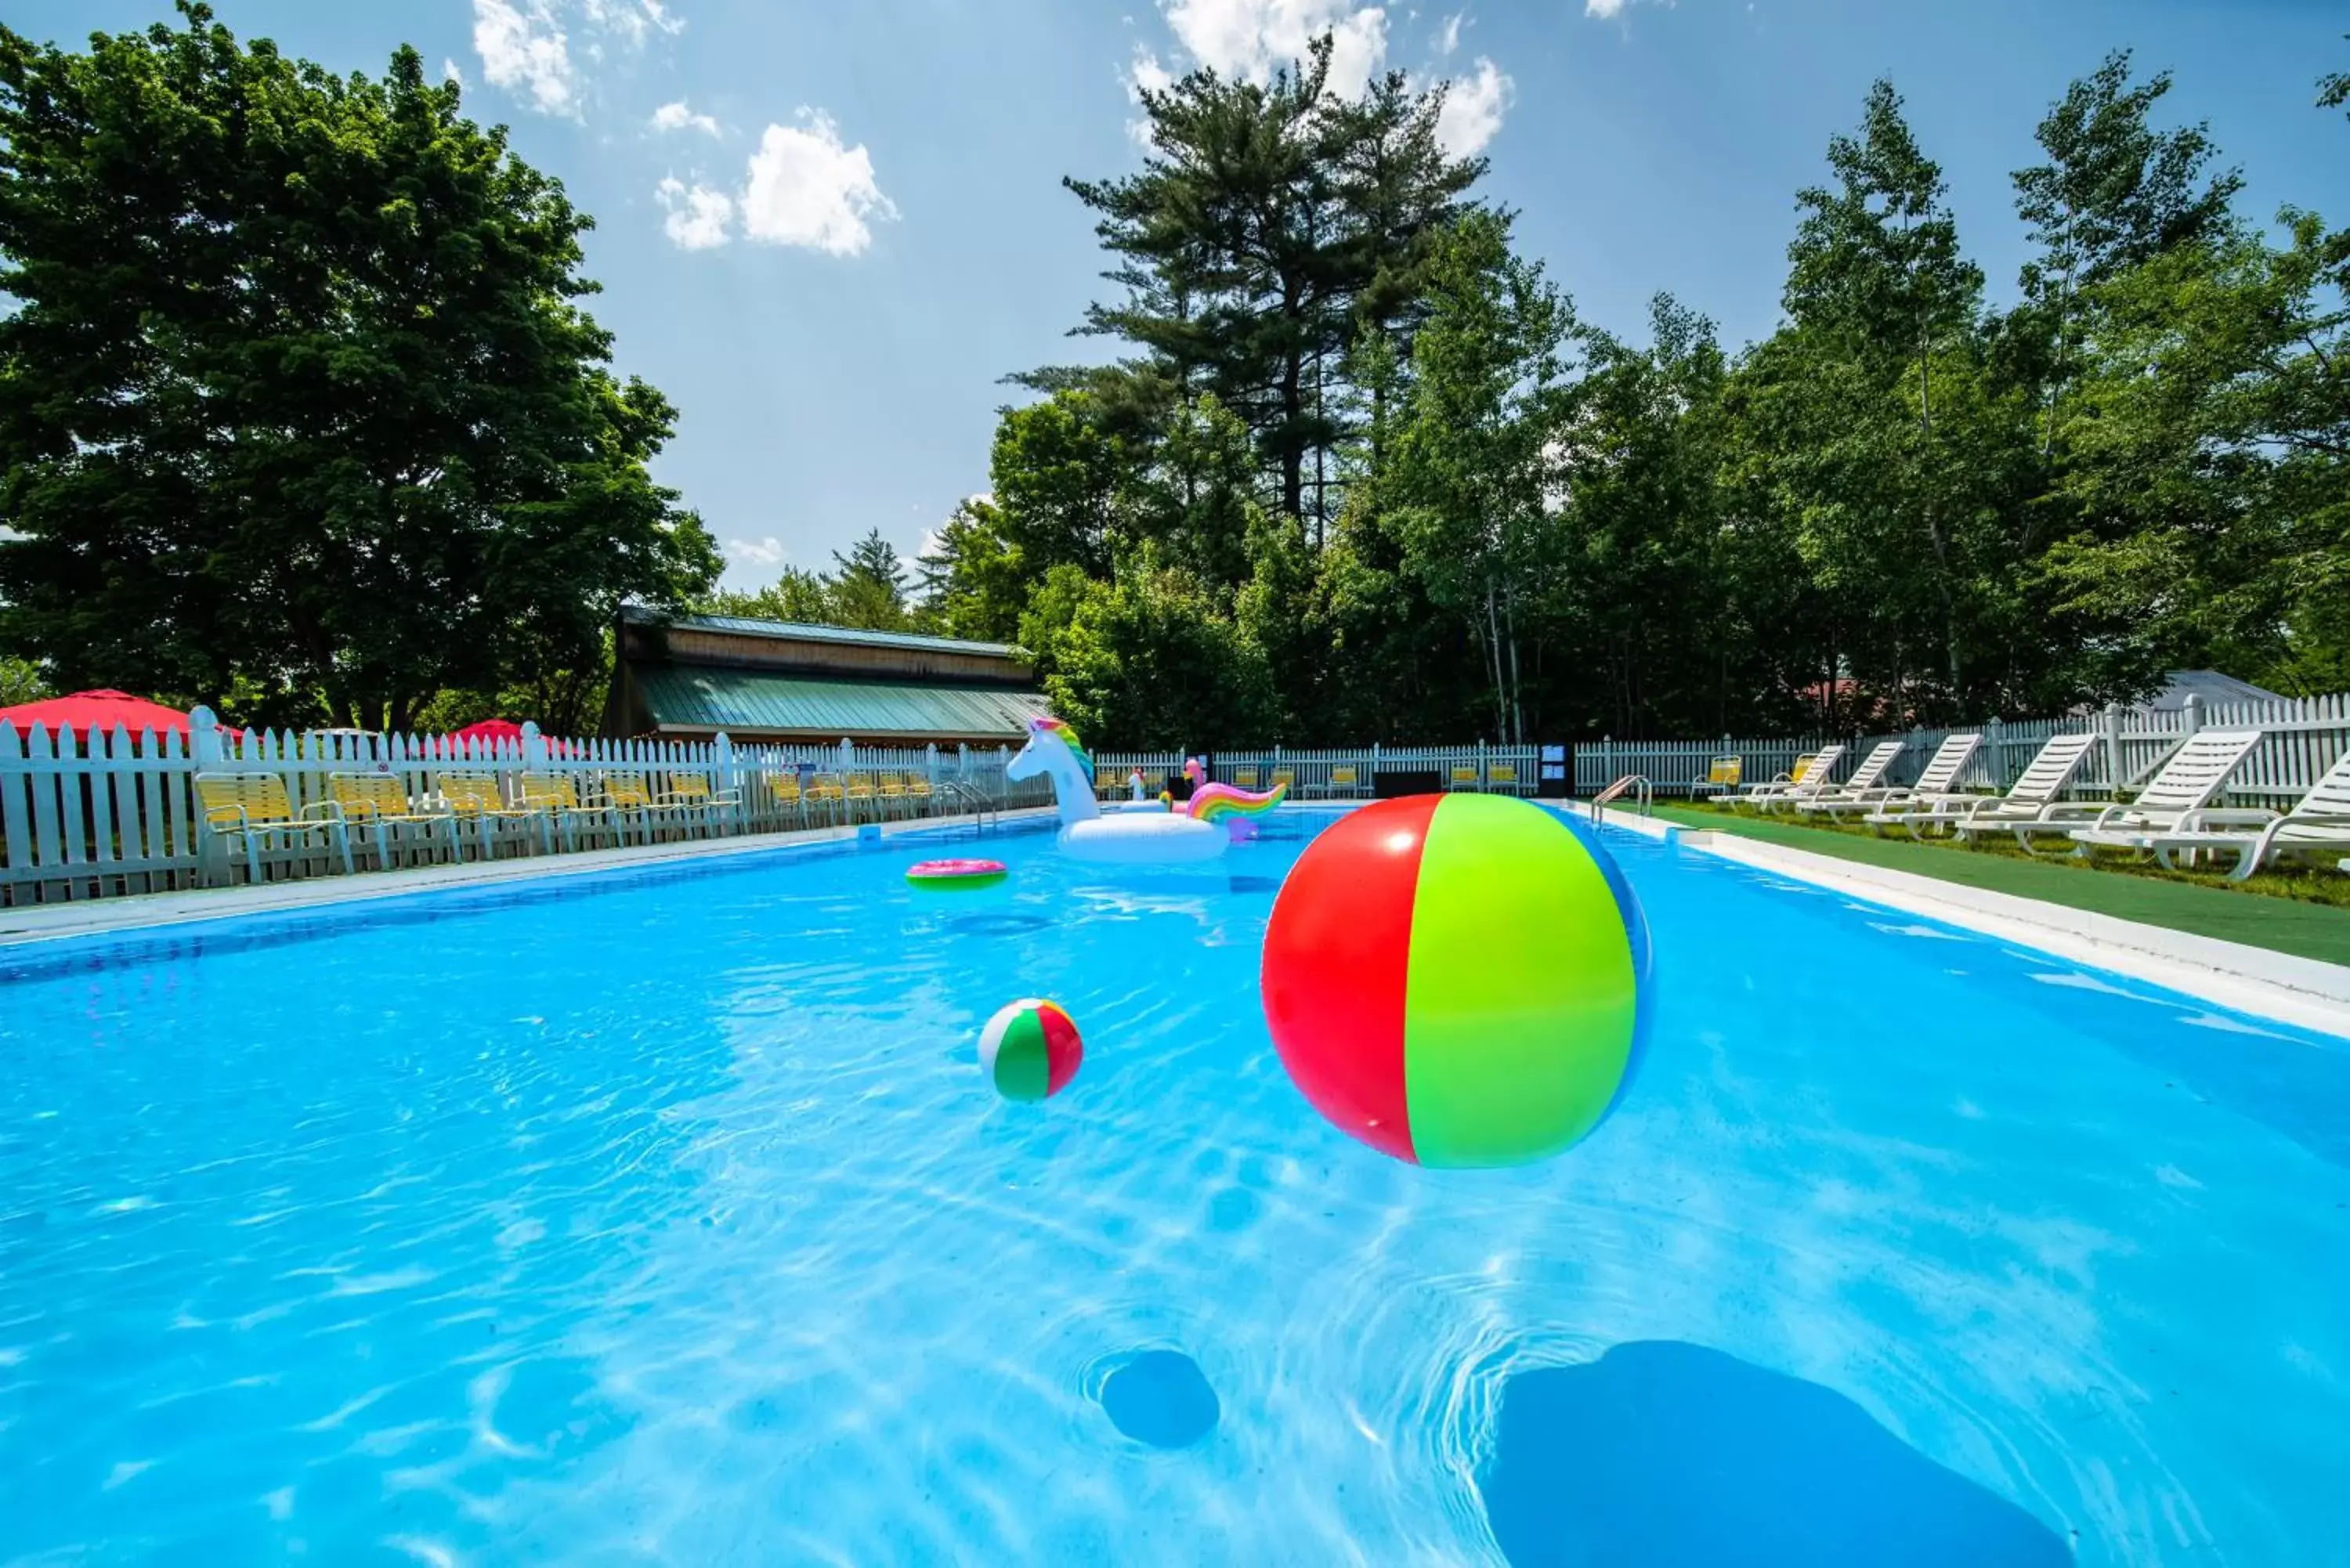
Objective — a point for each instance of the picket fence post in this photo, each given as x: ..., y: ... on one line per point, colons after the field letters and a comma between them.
x: 2114, y: 775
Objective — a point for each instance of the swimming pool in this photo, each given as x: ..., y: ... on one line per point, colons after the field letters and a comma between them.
x: 663, y: 1217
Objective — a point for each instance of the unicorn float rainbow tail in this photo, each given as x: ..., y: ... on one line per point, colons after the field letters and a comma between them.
x: 1232, y: 807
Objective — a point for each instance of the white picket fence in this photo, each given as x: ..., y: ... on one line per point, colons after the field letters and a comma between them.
x: 117, y: 815
x: 2300, y: 738
x: 1503, y: 770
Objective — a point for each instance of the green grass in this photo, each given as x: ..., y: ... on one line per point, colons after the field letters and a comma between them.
x: 2304, y: 913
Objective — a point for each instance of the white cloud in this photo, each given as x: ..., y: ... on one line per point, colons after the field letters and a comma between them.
x: 448, y: 72
x: 631, y: 20
x: 699, y: 215
x: 1473, y: 106
x: 1450, y: 38
x: 766, y: 551
x: 526, y: 45
x: 1254, y: 38
x: 678, y: 117
x: 524, y: 51
x: 1602, y: 8
x: 1145, y: 75
x: 807, y: 188
x: 1148, y: 74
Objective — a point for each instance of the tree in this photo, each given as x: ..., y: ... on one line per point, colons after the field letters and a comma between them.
x: 973, y: 580
x: 1153, y: 661
x: 1469, y: 474
x: 867, y: 588
x: 2114, y: 193
x: 798, y: 596
x: 1270, y: 225
x: 298, y: 412
x: 22, y: 680
x: 1877, y: 281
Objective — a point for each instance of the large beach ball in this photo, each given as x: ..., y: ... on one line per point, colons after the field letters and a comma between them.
x: 1030, y: 1049
x: 1459, y: 980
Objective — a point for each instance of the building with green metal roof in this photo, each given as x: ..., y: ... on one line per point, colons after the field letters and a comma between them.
x: 691, y: 677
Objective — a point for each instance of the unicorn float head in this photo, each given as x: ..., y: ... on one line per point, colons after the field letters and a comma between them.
x: 1054, y: 751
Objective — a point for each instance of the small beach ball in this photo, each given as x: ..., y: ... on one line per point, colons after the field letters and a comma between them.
x: 1030, y: 1049
x: 1459, y: 980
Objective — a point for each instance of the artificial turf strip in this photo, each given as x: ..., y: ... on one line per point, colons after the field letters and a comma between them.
x: 2279, y: 924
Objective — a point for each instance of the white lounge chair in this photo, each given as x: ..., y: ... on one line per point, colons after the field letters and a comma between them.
x: 2035, y: 798
x: 2196, y: 771
x: 1809, y: 779
x: 1866, y: 784
x: 2320, y: 825
x: 1943, y: 771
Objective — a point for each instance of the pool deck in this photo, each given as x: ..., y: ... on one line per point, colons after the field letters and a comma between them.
x: 2284, y: 987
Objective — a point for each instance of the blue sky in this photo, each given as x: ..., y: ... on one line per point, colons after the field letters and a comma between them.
x: 828, y: 227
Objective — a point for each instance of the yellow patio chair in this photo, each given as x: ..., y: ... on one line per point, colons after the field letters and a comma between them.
x: 559, y: 797
x: 380, y: 801
x: 476, y: 798
x: 784, y: 789
x: 691, y: 795
x: 627, y: 795
x: 825, y: 791
x: 1245, y: 778
x: 918, y: 793
x: 890, y: 789
x: 1283, y: 778
x: 1464, y: 775
x: 254, y: 809
x: 1502, y: 775
x: 1722, y: 776
x: 1108, y: 782
x: 858, y: 788
x: 1342, y: 777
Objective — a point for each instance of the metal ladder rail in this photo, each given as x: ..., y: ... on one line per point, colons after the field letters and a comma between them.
x: 975, y: 803
x: 1646, y: 793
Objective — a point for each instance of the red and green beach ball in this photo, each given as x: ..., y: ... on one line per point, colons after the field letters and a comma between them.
x: 1030, y: 1049
x: 1459, y: 980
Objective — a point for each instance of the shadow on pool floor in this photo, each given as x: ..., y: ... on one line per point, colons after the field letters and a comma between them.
x: 1668, y: 1454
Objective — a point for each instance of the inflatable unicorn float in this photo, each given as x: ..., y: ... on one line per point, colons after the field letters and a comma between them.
x: 1201, y: 832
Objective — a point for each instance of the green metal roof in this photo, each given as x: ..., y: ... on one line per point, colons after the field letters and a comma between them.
x: 798, y: 631
x: 747, y: 701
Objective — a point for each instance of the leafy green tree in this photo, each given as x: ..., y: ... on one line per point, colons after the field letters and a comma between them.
x: 1471, y: 472
x: 22, y: 680
x: 974, y: 582
x: 1881, y: 291
x: 2114, y: 193
x: 798, y: 596
x: 1152, y: 661
x: 298, y: 412
x: 2214, y: 461
x: 1058, y: 477
x: 867, y: 587
x: 1270, y: 223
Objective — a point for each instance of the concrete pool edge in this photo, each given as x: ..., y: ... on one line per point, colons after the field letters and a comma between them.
x: 2283, y: 988
x: 38, y: 923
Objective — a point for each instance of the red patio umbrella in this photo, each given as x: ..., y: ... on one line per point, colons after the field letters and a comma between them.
x: 504, y: 731
x: 101, y: 710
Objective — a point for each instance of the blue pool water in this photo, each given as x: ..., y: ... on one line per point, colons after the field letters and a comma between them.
x: 664, y: 1218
